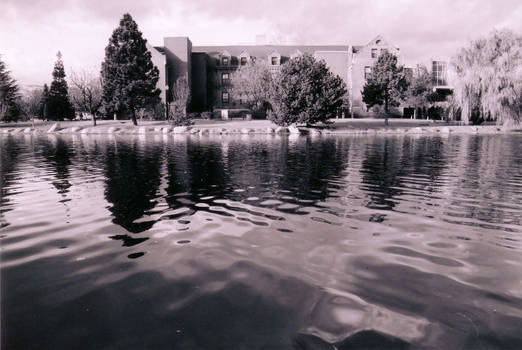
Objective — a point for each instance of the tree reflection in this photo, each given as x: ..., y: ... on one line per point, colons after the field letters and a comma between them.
x: 58, y: 153
x: 390, y: 161
x: 10, y: 153
x: 262, y: 168
x: 195, y: 171
x: 132, y: 174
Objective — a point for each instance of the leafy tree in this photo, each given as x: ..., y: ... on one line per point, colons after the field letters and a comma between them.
x: 177, y: 111
x: 58, y: 104
x: 44, y: 103
x: 386, y: 84
x: 128, y: 75
x: 305, y: 91
x: 87, y: 95
x: 488, y: 78
x: 250, y: 83
x: 31, y: 102
x: 9, y: 96
x: 419, y: 93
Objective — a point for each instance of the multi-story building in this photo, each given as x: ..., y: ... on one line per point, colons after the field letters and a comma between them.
x: 208, y: 69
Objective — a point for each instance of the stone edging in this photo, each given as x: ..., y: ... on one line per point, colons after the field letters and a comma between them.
x: 55, y: 129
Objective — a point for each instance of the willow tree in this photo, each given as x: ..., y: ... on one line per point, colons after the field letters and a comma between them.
x: 488, y: 78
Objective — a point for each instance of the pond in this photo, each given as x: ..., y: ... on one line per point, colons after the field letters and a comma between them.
x: 261, y: 242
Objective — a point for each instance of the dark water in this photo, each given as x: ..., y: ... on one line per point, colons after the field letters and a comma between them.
x: 261, y: 242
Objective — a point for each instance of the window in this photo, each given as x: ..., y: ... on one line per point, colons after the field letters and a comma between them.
x: 225, y: 77
x: 225, y: 61
x: 374, y: 53
x: 383, y: 51
x: 438, y: 73
x: 243, y: 61
x: 224, y: 97
x: 274, y: 61
x: 367, y: 72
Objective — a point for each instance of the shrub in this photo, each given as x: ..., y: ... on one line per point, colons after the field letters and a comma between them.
x: 306, y: 91
x: 179, y: 117
x: 206, y: 115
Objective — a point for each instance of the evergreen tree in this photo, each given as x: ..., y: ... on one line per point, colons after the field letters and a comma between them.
x: 128, y: 75
x: 386, y: 84
x: 58, y: 104
x: 44, y: 110
x: 9, y: 96
x: 305, y: 91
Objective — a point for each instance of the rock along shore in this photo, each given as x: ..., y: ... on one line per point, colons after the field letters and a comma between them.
x: 293, y: 130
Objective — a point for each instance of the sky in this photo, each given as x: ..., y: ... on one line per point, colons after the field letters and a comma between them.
x: 33, y: 31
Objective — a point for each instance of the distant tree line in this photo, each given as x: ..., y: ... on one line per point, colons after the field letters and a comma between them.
x: 486, y: 75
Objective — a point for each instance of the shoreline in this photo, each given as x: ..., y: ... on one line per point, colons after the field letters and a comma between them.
x: 219, y: 127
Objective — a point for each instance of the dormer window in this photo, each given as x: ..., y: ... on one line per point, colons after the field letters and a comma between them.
x: 274, y: 61
x: 224, y: 60
x: 297, y: 53
x: 243, y: 61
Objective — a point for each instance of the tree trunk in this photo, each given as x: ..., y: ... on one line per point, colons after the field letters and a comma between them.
x: 386, y: 110
x: 134, y: 121
x: 414, y: 112
x: 93, y: 118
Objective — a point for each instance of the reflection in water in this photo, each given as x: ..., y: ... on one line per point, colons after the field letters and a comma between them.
x: 390, y: 161
x: 261, y: 242
x: 132, y: 171
x: 9, y: 156
x: 58, y: 154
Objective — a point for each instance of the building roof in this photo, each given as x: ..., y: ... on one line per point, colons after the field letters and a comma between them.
x: 160, y: 49
x: 265, y: 50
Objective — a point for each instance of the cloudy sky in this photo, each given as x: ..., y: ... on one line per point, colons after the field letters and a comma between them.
x: 32, y: 31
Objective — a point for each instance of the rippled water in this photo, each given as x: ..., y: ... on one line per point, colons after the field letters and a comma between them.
x: 261, y: 242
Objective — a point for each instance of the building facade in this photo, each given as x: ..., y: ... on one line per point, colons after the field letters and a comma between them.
x: 208, y: 69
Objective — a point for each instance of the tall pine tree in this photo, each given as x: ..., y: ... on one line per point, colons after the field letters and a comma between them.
x: 128, y: 75
x: 59, y: 105
x: 9, y: 96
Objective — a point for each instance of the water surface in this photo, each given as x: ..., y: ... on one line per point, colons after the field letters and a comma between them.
x: 261, y: 242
